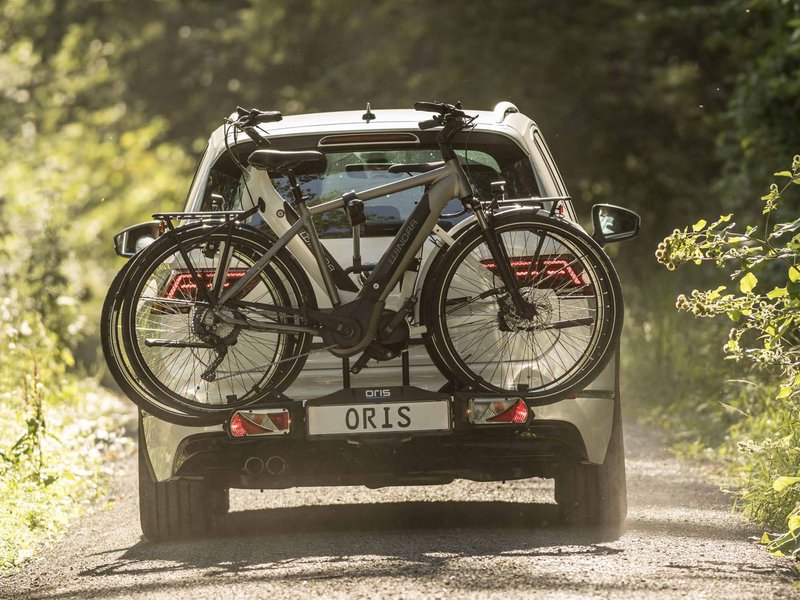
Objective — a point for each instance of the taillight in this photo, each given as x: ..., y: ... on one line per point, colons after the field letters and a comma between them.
x: 489, y: 411
x: 516, y: 414
x: 546, y: 271
x: 259, y: 422
x: 182, y: 285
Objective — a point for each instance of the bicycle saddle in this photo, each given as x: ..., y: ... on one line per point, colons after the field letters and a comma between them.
x: 278, y: 161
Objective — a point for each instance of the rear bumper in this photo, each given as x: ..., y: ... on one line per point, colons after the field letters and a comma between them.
x: 478, y: 455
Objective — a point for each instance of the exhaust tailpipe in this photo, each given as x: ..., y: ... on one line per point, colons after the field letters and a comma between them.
x: 276, y: 465
x: 254, y: 465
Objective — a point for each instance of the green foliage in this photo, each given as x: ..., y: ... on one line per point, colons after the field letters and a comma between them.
x: 78, y: 163
x: 58, y: 434
x: 764, y: 307
x: 765, y: 321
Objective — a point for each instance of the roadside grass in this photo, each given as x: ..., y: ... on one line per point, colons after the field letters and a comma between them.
x: 60, y: 435
x: 55, y: 467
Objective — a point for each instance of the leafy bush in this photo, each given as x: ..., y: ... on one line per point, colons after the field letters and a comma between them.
x: 764, y: 308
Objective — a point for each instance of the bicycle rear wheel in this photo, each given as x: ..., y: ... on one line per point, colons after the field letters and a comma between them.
x: 476, y: 336
x: 182, y: 352
x: 118, y: 364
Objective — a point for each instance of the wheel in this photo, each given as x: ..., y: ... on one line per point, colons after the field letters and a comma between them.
x: 179, y: 509
x: 596, y: 495
x: 185, y: 354
x: 476, y: 336
x: 118, y: 364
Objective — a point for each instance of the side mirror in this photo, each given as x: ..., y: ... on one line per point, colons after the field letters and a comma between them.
x: 132, y: 239
x: 614, y: 223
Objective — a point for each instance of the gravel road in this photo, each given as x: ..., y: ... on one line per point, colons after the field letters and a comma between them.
x: 461, y: 540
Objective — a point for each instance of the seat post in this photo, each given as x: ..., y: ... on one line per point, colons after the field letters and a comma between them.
x: 297, y: 194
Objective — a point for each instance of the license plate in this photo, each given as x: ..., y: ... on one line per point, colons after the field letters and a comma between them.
x: 379, y: 418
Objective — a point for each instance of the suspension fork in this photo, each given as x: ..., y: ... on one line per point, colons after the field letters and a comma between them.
x: 501, y: 260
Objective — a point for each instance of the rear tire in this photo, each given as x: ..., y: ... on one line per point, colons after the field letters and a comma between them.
x: 596, y: 496
x: 179, y: 509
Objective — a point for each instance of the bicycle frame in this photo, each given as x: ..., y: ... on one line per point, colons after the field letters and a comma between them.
x: 445, y: 183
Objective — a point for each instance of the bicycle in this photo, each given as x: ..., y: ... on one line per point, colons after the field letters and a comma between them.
x: 217, y: 315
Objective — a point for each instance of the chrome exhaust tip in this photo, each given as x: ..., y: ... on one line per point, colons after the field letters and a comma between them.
x: 276, y: 465
x: 254, y: 465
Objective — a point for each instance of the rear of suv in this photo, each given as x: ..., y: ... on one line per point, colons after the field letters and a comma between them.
x: 186, y: 472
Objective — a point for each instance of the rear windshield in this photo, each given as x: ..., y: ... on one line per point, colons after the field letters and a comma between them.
x: 487, y: 158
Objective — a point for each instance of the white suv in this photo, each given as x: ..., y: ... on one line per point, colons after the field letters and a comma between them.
x: 185, y: 472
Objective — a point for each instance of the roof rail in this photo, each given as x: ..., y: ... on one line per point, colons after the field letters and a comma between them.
x: 502, y: 109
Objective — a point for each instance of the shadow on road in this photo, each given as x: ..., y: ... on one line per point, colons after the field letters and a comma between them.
x: 400, y: 516
x: 408, y: 535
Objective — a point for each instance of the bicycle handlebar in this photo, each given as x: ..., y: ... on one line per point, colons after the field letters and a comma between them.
x: 430, y: 123
x: 248, y: 117
x: 450, y: 117
x: 437, y: 107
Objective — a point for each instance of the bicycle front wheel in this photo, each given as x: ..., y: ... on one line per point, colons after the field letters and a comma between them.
x: 205, y: 361
x: 476, y: 335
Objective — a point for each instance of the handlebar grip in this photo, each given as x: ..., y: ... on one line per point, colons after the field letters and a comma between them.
x: 429, y: 124
x: 268, y: 116
x: 253, y: 116
x: 436, y: 107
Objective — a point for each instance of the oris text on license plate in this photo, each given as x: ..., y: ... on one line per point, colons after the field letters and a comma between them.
x: 379, y: 417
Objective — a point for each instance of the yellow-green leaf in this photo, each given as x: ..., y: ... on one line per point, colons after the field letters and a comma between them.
x: 765, y: 538
x: 782, y: 483
x: 785, y: 392
x: 783, y: 174
x: 794, y: 523
x: 778, y: 292
x: 747, y: 283
x: 699, y: 225
x: 794, y: 274
x: 715, y: 294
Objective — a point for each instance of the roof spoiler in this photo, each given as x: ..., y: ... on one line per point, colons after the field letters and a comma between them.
x: 502, y: 109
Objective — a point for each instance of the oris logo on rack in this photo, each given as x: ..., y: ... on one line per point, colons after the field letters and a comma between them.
x: 378, y: 393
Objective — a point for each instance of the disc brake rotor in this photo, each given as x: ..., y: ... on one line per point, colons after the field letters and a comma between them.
x: 510, y: 320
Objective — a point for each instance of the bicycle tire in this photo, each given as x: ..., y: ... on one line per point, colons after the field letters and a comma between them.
x: 119, y: 366
x: 476, y: 338
x: 161, y: 299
